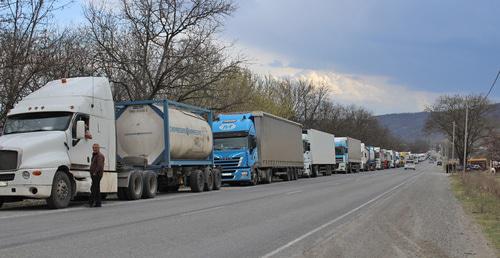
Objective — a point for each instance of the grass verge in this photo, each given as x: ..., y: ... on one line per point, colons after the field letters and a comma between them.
x: 479, y: 194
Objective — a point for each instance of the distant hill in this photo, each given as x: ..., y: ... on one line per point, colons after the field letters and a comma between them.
x: 409, y: 126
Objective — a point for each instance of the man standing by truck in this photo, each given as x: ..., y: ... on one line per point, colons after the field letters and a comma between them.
x: 96, y: 171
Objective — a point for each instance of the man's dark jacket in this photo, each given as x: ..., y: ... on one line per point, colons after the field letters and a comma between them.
x: 97, y: 164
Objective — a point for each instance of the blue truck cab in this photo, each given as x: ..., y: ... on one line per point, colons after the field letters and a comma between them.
x: 235, y: 146
x: 341, y: 154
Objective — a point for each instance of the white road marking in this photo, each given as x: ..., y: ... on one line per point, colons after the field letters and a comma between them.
x: 294, y: 192
x: 202, y: 211
x: 329, y: 223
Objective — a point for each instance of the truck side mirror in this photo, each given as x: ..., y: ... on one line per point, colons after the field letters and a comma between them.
x: 80, y: 129
x: 253, y: 142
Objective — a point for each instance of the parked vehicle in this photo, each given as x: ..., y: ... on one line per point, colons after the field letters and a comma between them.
x: 410, y: 164
x: 255, y: 147
x: 391, y: 159
x: 378, y: 158
x: 319, y: 153
x: 368, y: 158
x: 348, y: 154
x: 385, y: 158
x: 151, y: 144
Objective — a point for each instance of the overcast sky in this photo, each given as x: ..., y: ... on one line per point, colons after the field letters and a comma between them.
x: 389, y: 56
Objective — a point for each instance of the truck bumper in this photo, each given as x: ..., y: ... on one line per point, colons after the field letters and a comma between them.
x: 239, y: 175
x: 35, y: 186
x: 341, y: 167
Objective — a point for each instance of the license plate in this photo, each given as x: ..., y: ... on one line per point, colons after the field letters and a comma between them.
x: 3, y: 184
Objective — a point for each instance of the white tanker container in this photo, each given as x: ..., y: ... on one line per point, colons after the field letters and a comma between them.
x: 140, y: 134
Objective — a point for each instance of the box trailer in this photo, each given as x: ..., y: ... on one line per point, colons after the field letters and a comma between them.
x: 256, y: 146
x: 319, y: 153
x: 348, y: 154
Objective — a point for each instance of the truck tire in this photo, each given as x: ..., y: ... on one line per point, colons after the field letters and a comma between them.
x: 135, y: 186
x: 1, y: 202
x: 150, y: 185
x: 255, y: 178
x: 314, y: 171
x: 295, y: 174
x: 122, y: 193
x: 60, y: 195
x: 329, y: 170
x: 217, y: 179
x: 288, y: 175
x: 209, y: 184
x: 197, y: 181
x: 268, y: 176
x: 104, y: 196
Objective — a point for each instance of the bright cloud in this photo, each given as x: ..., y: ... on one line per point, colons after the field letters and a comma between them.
x: 377, y: 94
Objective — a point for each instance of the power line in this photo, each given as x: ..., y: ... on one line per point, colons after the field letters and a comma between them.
x: 492, y: 85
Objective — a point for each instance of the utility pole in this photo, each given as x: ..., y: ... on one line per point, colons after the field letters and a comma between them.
x: 453, y: 149
x: 466, y: 134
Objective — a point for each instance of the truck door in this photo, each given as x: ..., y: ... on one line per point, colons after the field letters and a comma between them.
x: 80, y: 151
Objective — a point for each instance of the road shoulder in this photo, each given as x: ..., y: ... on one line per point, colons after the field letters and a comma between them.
x: 422, y: 219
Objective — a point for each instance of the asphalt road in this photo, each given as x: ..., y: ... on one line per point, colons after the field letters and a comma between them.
x: 390, y: 213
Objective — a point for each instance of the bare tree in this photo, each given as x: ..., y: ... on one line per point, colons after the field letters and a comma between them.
x: 449, y: 109
x: 27, y: 47
x: 161, y: 48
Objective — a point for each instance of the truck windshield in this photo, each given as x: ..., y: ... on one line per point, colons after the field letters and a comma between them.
x: 35, y: 122
x: 340, y: 150
x: 230, y: 143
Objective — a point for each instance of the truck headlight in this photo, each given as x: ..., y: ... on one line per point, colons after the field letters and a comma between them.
x: 26, y: 174
x: 244, y: 173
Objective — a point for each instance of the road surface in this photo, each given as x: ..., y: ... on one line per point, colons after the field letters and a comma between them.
x: 390, y: 213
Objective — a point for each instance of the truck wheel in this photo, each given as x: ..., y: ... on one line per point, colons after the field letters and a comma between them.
x: 295, y: 174
x: 288, y: 175
x: 135, y: 186
x: 122, y: 193
x: 197, y: 181
x: 329, y: 170
x: 255, y: 178
x: 217, y: 179
x: 60, y: 195
x: 268, y: 176
x: 1, y: 202
x: 315, y: 170
x: 209, y: 185
x: 150, y: 185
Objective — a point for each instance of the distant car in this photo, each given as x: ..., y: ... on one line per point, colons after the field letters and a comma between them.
x: 410, y: 164
x: 439, y: 163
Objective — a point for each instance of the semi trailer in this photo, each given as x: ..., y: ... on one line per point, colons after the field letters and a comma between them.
x: 319, y: 153
x: 370, y: 162
x: 257, y: 147
x: 348, y: 154
x: 378, y: 158
x: 148, y: 145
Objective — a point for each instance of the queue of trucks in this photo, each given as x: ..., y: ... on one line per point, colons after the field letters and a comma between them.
x: 158, y: 146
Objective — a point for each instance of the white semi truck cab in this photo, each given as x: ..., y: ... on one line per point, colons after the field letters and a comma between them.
x: 45, y: 152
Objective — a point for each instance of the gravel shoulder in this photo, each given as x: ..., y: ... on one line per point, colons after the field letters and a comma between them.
x: 422, y: 219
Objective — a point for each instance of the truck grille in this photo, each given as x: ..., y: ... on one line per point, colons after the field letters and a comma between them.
x: 7, y: 177
x: 8, y: 160
x: 228, y: 165
x: 339, y: 160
